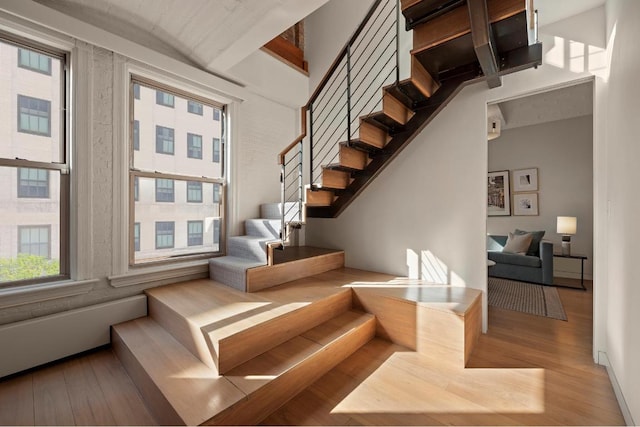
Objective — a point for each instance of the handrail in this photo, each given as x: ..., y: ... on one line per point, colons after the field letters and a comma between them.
x: 331, y: 116
x: 342, y: 53
x: 303, y: 134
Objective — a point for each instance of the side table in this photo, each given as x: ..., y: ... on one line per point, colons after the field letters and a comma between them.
x: 575, y: 256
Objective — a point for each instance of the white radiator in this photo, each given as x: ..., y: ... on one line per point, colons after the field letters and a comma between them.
x: 33, y: 342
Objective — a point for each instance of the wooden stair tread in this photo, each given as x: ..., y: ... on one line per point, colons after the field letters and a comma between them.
x: 195, y: 391
x: 383, y: 121
x: 358, y: 144
x: 339, y: 167
x: 276, y: 362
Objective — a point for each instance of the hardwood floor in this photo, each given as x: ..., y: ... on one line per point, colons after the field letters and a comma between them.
x: 526, y: 370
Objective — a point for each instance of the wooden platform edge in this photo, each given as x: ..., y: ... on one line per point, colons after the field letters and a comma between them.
x: 264, y: 277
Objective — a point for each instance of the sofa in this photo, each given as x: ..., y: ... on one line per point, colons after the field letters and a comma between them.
x: 536, y: 266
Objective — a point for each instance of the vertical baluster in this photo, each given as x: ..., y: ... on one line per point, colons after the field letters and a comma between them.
x: 397, y: 41
x: 311, y: 144
x: 348, y: 94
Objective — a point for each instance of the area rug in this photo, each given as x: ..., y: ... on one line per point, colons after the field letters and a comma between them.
x: 526, y: 298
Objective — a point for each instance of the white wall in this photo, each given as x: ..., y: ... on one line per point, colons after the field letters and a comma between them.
x: 432, y: 197
x: 563, y: 153
x: 623, y: 152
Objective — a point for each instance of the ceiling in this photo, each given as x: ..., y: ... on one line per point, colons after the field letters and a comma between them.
x: 550, y: 11
x: 211, y: 34
x: 559, y: 104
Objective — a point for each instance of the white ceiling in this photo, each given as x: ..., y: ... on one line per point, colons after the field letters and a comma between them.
x: 211, y: 34
x: 559, y: 104
x: 550, y: 11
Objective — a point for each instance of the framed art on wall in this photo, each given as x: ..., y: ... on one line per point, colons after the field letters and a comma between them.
x: 525, y: 204
x: 525, y: 180
x: 498, y: 194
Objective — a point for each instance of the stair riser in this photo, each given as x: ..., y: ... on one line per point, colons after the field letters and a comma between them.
x: 395, y: 109
x: 263, y: 228
x: 352, y: 158
x: 155, y: 401
x: 265, y: 277
x: 335, y: 179
x: 272, y: 396
x: 249, y: 249
x: 188, y: 334
x: 319, y: 198
x: 249, y: 343
x: 421, y: 78
x: 373, y: 135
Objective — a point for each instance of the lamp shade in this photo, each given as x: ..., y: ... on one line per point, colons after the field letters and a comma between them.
x: 567, y: 225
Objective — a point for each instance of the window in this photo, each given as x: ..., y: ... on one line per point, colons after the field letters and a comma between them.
x: 34, y: 240
x: 194, y: 233
x: 164, y: 140
x: 194, y: 146
x: 164, y: 190
x: 136, y: 237
x: 136, y: 91
x: 194, y: 192
x: 173, y: 180
x: 165, y: 234
x: 34, y: 115
x: 194, y: 107
x: 34, y: 61
x: 216, y: 231
x: 163, y: 98
x: 34, y: 164
x: 216, y: 150
x: 216, y: 193
x: 216, y: 114
x: 136, y: 135
x: 33, y: 183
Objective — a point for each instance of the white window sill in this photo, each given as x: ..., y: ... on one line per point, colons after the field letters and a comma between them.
x: 11, y: 297
x: 160, y: 274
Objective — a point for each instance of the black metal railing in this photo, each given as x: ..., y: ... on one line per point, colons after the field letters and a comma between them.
x: 350, y: 89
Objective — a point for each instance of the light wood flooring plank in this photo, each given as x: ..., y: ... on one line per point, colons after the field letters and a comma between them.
x: 121, y: 395
x: 86, y: 397
x: 52, y: 405
x: 16, y: 401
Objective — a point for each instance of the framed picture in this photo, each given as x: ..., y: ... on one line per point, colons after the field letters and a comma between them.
x: 525, y: 180
x: 498, y: 195
x: 525, y: 204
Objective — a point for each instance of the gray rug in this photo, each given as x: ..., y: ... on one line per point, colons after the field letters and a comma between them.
x: 526, y: 298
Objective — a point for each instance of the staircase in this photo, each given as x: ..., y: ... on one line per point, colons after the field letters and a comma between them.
x: 209, y: 354
x: 250, y: 250
x: 455, y: 43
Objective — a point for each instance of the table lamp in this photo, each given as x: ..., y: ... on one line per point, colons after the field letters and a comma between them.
x: 566, y: 226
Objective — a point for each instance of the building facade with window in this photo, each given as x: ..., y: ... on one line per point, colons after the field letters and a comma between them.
x: 177, y: 157
x: 30, y: 131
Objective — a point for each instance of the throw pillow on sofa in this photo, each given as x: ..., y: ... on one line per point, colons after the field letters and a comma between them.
x: 518, y: 243
x: 534, y: 247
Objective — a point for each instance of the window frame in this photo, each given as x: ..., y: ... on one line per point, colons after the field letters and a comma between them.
x: 61, y: 166
x: 155, y: 84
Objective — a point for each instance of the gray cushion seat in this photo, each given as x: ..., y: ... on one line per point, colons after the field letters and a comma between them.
x: 515, y: 259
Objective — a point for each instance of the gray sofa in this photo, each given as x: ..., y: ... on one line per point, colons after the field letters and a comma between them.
x: 535, y: 267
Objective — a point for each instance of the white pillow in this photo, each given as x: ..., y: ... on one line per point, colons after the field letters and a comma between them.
x: 518, y: 243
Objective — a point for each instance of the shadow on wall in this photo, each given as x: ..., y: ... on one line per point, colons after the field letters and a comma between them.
x: 425, y: 265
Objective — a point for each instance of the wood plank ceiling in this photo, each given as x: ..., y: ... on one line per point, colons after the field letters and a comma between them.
x: 211, y: 34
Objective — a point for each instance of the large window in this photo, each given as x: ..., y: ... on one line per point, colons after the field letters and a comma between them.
x: 34, y: 115
x: 34, y: 164
x: 178, y: 200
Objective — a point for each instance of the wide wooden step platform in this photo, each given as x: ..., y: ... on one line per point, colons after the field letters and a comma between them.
x: 274, y: 343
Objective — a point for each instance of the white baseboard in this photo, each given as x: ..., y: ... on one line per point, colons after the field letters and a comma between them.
x: 603, y: 360
x: 38, y: 341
